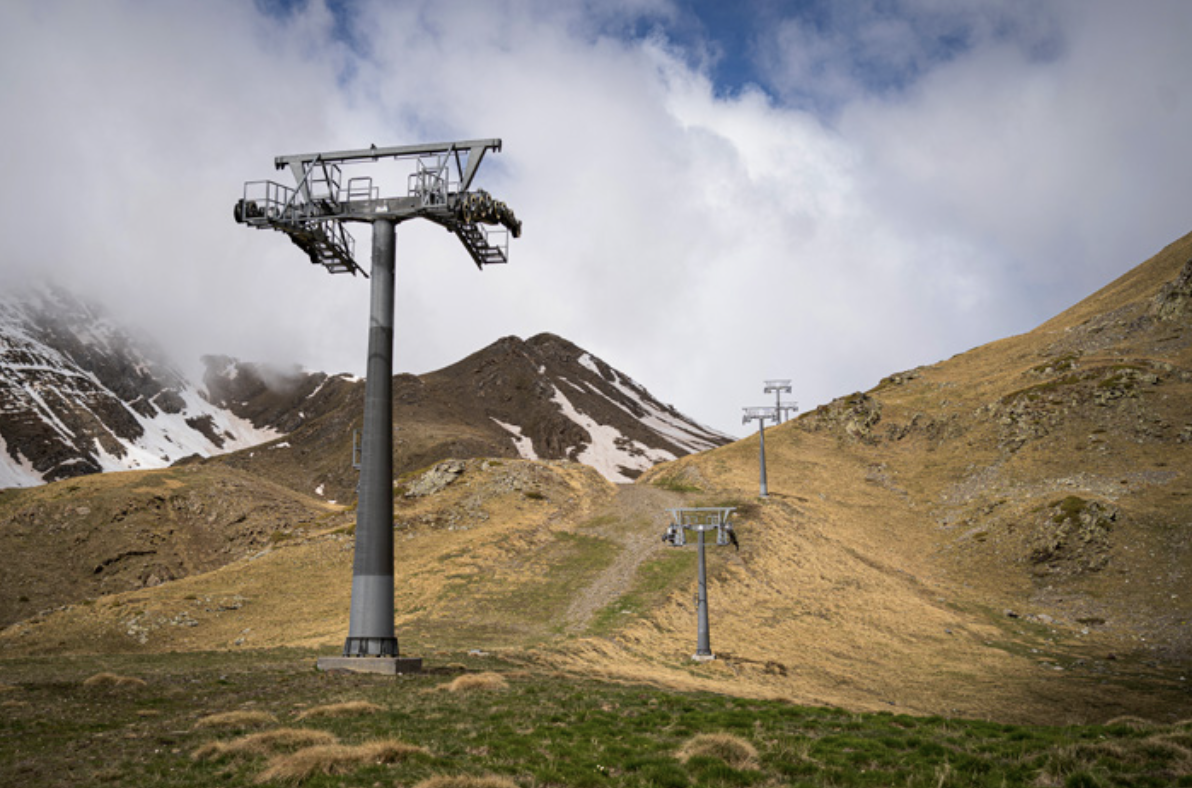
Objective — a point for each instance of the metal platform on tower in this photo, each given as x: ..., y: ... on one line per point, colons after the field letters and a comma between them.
x: 314, y: 212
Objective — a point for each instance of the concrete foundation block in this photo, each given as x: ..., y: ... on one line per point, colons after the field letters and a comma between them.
x: 389, y: 666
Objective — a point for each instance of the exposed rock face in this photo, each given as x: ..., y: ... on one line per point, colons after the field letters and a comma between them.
x: 853, y: 417
x: 269, y: 396
x: 1116, y: 396
x: 1174, y: 301
x: 435, y: 480
x: 1072, y: 536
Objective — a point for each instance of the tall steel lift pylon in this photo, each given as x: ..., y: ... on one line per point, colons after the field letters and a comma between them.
x: 313, y: 214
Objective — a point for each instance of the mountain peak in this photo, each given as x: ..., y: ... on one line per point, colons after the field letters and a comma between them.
x: 556, y: 400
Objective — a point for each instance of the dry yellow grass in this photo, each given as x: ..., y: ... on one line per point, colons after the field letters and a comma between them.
x: 733, y: 750
x: 466, y: 781
x: 476, y: 682
x: 113, y: 680
x: 236, y: 719
x: 1130, y: 721
x: 1137, y: 752
x: 330, y: 759
x: 349, y: 708
x: 264, y: 743
x: 1181, y: 737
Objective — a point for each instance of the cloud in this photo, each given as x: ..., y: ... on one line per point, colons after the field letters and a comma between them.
x: 893, y: 184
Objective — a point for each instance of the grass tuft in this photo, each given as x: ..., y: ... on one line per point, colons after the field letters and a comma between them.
x: 332, y: 759
x: 236, y: 719
x: 733, y: 750
x: 113, y: 680
x: 1131, y: 722
x: 1180, y: 737
x: 351, y: 708
x: 476, y: 682
x: 466, y: 781
x: 264, y: 743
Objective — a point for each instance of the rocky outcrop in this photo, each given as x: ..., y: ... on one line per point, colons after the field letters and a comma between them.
x: 435, y: 480
x: 1174, y: 301
x: 852, y: 418
x: 1072, y: 536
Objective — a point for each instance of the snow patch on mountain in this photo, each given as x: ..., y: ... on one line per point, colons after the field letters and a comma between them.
x: 171, y: 436
x: 585, y: 360
x: 658, y: 417
x: 524, y: 444
x: 16, y: 471
x: 610, y: 452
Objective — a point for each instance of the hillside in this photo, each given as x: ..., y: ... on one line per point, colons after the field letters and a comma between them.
x: 999, y: 535
x: 102, y: 534
x: 1010, y: 523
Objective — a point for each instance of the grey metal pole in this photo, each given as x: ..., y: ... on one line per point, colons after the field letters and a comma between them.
x: 761, y: 433
x: 702, y: 648
x: 370, y: 628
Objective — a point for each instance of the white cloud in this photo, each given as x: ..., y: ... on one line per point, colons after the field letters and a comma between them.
x: 698, y: 240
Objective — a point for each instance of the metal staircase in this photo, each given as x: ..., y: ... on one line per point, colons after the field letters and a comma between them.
x: 333, y: 250
x: 477, y: 241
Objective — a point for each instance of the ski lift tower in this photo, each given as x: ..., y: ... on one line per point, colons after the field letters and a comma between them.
x: 701, y: 520
x: 313, y: 214
x: 760, y: 414
x: 782, y: 409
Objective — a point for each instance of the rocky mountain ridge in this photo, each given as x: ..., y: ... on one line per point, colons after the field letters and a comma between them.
x: 80, y: 394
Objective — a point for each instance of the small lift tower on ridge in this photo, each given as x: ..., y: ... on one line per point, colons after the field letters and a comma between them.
x: 313, y: 214
x: 701, y: 520
x: 760, y: 414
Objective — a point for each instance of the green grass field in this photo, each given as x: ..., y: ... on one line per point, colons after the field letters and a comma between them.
x: 540, y: 729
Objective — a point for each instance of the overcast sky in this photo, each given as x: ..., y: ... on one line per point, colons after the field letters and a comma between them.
x: 713, y: 193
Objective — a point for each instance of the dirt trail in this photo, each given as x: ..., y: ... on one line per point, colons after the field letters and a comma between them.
x: 636, y: 519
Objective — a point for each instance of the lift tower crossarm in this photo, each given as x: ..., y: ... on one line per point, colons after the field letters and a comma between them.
x: 476, y: 149
x: 314, y: 212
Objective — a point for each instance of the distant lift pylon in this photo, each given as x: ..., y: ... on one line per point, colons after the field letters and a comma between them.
x: 313, y: 214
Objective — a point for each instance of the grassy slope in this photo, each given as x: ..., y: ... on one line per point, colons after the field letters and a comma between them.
x: 538, y: 728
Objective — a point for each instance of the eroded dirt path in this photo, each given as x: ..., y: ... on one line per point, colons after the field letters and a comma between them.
x: 636, y: 519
